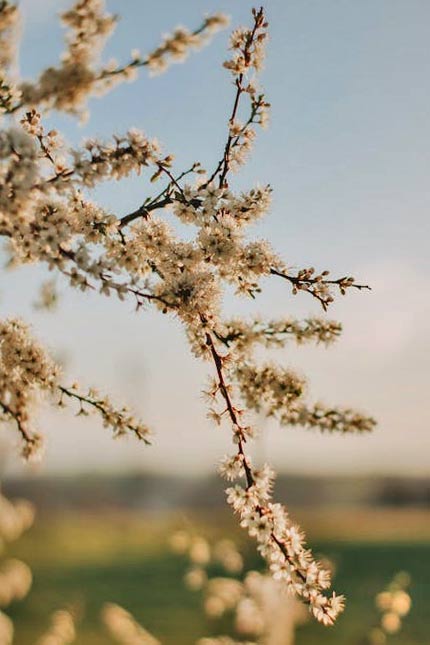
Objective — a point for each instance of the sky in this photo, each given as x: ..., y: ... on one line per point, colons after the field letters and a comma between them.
x: 347, y: 154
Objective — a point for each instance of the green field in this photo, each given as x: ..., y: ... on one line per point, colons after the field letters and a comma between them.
x: 83, y: 561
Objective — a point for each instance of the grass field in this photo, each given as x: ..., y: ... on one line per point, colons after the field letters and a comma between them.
x: 84, y: 561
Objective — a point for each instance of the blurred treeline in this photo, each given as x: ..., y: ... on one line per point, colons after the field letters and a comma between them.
x: 152, y: 492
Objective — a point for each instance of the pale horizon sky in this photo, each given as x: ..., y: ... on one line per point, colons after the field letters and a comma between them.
x: 347, y: 154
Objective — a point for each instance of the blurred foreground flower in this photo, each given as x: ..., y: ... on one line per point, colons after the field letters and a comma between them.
x: 394, y: 603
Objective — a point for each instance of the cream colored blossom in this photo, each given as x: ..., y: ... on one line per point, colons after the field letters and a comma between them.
x: 394, y: 603
x: 9, y: 20
x: 282, y: 544
x: 176, y: 47
x: 15, y: 581
x: 61, y: 630
x: 6, y: 629
x: 122, y: 626
x: 80, y: 73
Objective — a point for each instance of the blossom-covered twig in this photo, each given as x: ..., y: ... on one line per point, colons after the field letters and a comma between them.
x: 278, y: 392
x: 9, y: 20
x: 280, y: 542
x: 27, y: 372
x: 242, y: 335
x: 318, y: 285
x: 248, y: 52
x: 67, y: 86
x: 10, y: 94
x: 120, y: 420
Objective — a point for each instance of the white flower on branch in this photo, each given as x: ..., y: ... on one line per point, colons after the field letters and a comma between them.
x: 242, y: 335
x: 80, y: 74
x: 282, y: 544
x: 9, y: 20
x: 176, y: 47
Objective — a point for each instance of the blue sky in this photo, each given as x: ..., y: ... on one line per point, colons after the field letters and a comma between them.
x: 347, y: 154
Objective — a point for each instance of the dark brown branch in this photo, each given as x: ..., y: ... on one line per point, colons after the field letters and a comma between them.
x: 140, y: 296
x: 144, y: 211
x: 27, y: 437
x: 98, y: 405
x: 160, y: 201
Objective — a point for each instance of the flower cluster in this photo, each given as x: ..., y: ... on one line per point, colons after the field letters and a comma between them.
x: 25, y: 371
x: 203, y: 204
x: 280, y: 541
x: 61, y: 630
x: 15, y: 581
x: 89, y: 27
x: 260, y: 608
x: 9, y: 18
x: 6, y: 629
x: 18, y: 173
x: 394, y: 603
x: 66, y: 87
x: 326, y: 419
x: 201, y: 554
x: 9, y: 95
x: 278, y: 392
x: 124, y: 628
x: 16, y: 517
x: 221, y: 218
x: 117, y: 160
x: 247, y: 46
x: 80, y: 74
x: 177, y: 46
x: 242, y: 335
x: 48, y: 297
x: 269, y: 387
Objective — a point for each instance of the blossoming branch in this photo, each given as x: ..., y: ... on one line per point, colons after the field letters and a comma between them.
x: 48, y: 216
